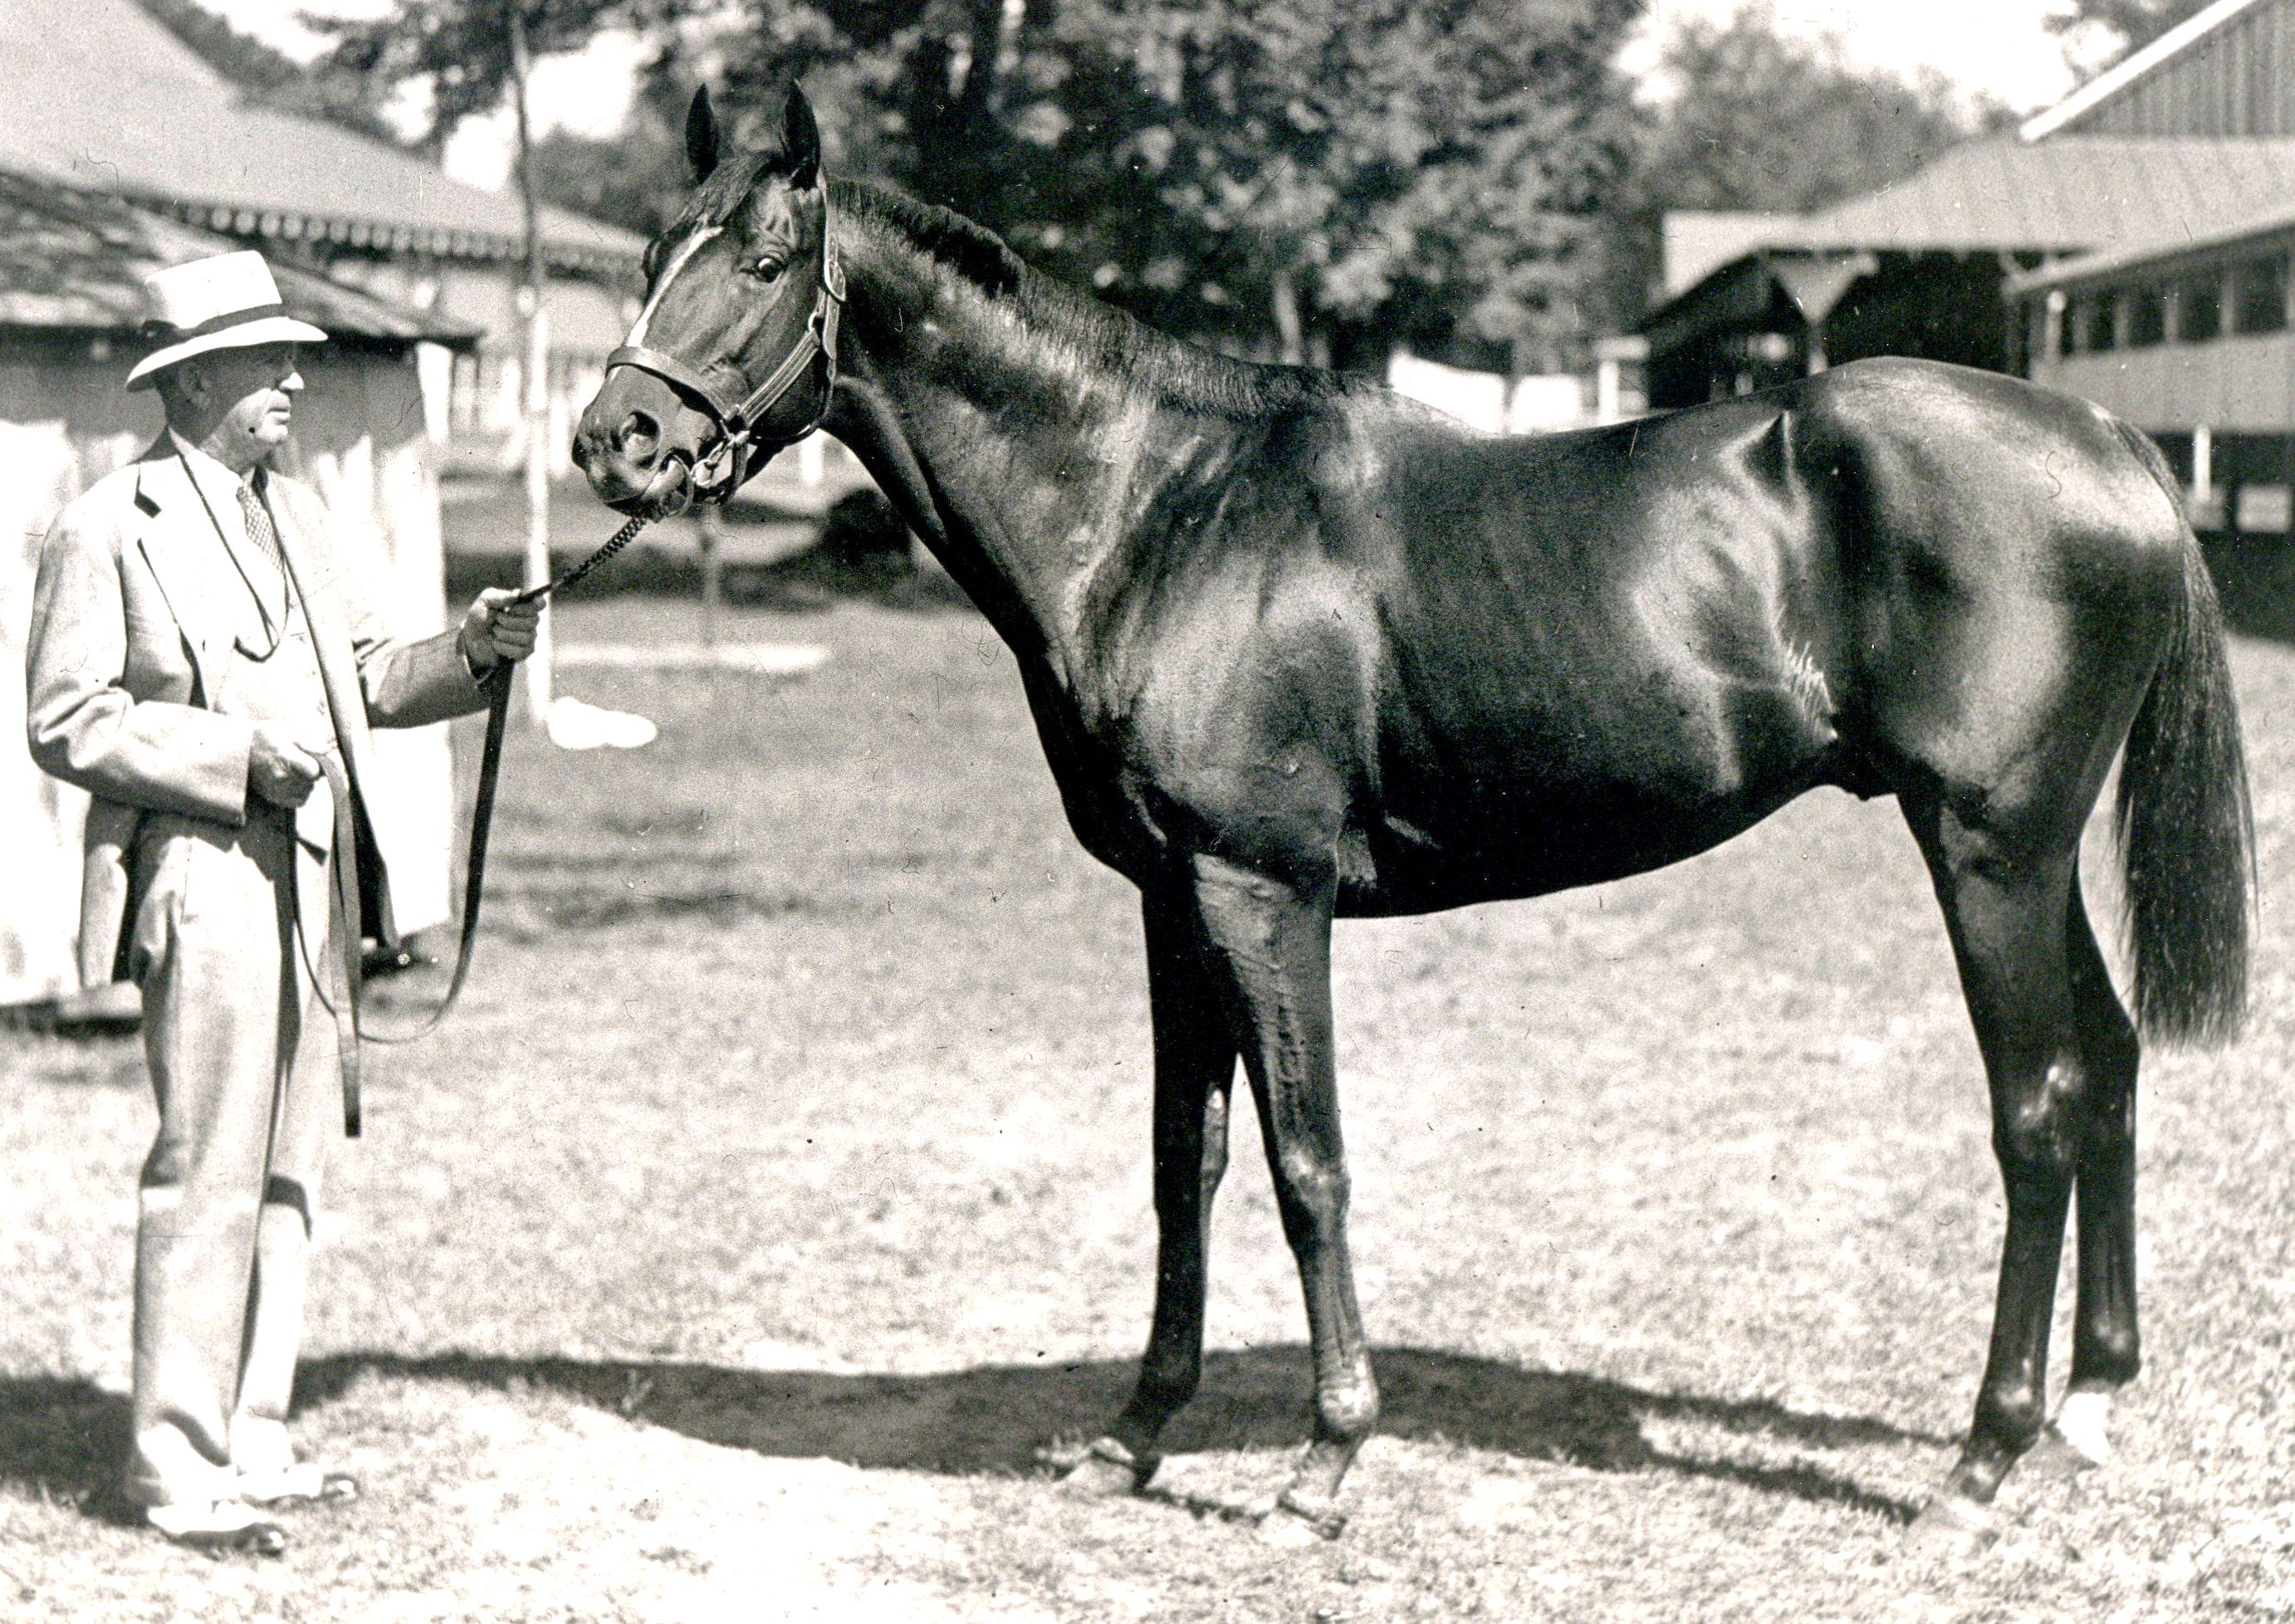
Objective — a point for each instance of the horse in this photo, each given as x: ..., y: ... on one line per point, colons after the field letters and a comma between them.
x: 1298, y: 650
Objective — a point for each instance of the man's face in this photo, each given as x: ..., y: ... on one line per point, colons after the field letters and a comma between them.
x: 256, y: 387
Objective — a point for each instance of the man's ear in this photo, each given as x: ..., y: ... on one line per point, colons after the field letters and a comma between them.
x: 701, y: 136
x: 800, y: 139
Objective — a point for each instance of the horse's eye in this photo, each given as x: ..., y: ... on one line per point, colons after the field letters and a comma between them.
x: 766, y: 267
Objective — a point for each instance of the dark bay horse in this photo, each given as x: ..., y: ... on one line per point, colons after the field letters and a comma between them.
x: 1299, y: 648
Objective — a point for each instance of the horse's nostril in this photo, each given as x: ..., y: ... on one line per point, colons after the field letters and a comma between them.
x: 638, y: 437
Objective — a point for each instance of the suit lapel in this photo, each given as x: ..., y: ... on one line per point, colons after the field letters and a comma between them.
x: 180, y: 547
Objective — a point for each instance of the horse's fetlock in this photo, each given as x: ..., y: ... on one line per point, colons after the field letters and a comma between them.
x: 2105, y: 1356
x: 1349, y: 1411
x: 2010, y: 1418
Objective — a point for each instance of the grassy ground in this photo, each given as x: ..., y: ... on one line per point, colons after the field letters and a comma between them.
x: 780, y: 1194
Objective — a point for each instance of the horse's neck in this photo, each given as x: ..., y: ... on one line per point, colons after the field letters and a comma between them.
x: 1008, y: 452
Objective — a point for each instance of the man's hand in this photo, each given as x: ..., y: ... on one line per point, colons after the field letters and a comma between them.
x: 279, y: 770
x: 496, y: 629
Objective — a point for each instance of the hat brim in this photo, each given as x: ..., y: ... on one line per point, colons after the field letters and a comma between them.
x: 264, y: 330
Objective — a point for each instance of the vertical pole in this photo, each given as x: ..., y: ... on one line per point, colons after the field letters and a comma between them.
x: 712, y: 581
x: 536, y: 671
x: 1285, y: 296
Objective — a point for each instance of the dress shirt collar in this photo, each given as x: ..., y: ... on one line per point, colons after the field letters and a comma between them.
x: 215, y: 479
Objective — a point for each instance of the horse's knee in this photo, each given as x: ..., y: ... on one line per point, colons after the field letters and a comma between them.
x: 2038, y: 1131
x: 1311, y: 1193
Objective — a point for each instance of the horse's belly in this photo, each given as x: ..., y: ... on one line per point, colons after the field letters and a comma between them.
x: 1555, y: 821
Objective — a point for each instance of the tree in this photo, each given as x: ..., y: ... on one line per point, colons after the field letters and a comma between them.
x: 267, y: 76
x: 1757, y: 120
x: 1301, y: 177
x: 1751, y: 119
x: 2125, y: 25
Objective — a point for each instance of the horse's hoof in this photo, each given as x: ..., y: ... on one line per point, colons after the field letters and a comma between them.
x: 1108, y: 1471
x: 1952, y: 1528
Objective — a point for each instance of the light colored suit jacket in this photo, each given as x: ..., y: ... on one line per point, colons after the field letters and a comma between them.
x: 133, y: 615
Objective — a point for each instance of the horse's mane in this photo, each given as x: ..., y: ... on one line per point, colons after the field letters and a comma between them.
x: 1184, y: 375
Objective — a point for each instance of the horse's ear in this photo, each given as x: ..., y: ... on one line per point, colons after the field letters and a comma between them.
x: 800, y: 139
x: 701, y: 136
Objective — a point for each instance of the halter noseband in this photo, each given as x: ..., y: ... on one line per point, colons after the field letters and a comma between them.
x: 718, y: 386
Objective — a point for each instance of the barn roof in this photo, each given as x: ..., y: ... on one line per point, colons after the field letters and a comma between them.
x: 101, y: 95
x: 2074, y: 192
x: 75, y: 260
x: 2067, y: 195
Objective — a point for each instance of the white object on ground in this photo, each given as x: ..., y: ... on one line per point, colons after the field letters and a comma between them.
x: 575, y: 726
x: 758, y: 659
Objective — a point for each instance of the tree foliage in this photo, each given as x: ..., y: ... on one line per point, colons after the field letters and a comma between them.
x: 2129, y: 25
x: 1315, y: 177
x: 271, y: 76
x: 1758, y: 120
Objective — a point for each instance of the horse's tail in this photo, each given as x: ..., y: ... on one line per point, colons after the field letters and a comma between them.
x: 2186, y: 827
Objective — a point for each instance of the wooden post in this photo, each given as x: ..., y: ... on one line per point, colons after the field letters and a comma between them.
x: 712, y: 580
x: 537, y: 670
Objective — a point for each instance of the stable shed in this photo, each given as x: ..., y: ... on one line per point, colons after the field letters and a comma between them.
x: 1919, y: 268
x: 2192, y: 337
x: 367, y: 429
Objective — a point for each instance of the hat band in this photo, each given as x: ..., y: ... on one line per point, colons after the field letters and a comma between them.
x: 214, y: 323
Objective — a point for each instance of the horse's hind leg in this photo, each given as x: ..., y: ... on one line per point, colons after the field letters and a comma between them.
x: 1195, y: 1072
x: 2106, y: 1353
x: 2006, y: 901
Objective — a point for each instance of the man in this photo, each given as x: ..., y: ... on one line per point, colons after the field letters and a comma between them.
x: 202, y: 663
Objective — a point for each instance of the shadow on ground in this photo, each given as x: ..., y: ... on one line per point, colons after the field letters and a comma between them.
x: 65, y: 1438
x: 998, y: 1418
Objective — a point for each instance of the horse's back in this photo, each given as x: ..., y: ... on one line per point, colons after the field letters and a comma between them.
x: 1487, y: 667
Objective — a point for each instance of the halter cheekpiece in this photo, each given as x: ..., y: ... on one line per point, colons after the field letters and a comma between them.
x: 719, y: 385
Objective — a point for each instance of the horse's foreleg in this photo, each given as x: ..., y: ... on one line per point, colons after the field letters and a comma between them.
x: 2006, y: 912
x: 1271, y: 941
x: 1195, y: 1072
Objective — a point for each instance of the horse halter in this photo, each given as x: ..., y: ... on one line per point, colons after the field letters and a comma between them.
x: 719, y: 385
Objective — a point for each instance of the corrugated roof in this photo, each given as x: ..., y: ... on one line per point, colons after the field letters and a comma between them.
x: 2073, y: 192
x: 76, y: 260
x: 100, y: 96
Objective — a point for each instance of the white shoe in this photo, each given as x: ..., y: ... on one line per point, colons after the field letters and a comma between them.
x: 301, y: 1484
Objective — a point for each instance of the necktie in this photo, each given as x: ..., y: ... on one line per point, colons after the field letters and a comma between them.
x: 258, y: 526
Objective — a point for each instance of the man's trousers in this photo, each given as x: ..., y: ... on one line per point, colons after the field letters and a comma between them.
x: 243, y: 1057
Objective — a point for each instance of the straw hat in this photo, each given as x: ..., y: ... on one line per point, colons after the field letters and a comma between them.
x: 222, y: 302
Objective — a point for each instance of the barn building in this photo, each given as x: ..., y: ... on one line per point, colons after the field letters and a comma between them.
x: 102, y: 97
x: 2190, y: 140
x: 2189, y: 334
x: 71, y: 296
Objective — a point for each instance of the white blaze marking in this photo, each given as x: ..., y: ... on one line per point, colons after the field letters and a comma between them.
x: 693, y: 245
